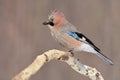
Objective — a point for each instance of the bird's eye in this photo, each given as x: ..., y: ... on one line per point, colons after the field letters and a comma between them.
x: 51, y: 19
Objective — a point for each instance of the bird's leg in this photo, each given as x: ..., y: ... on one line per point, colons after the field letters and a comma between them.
x: 71, y: 51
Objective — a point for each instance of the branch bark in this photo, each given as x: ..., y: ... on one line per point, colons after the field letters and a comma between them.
x: 66, y: 57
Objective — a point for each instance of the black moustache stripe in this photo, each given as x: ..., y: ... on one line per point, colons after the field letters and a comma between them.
x: 51, y: 23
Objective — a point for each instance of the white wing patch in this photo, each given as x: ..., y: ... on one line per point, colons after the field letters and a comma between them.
x: 83, y: 38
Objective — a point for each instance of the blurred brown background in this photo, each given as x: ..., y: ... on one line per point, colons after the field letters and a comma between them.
x: 23, y: 37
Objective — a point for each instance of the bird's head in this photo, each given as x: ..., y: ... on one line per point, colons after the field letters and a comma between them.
x: 55, y: 19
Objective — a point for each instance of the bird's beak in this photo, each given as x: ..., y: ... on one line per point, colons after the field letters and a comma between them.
x: 46, y: 23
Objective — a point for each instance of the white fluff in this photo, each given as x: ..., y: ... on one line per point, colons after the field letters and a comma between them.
x: 87, y: 48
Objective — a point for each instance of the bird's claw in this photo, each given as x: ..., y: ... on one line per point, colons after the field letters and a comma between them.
x: 71, y: 51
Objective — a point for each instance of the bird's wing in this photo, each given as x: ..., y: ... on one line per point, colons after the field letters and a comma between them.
x: 81, y: 37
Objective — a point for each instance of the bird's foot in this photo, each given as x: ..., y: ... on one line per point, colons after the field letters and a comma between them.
x: 71, y: 51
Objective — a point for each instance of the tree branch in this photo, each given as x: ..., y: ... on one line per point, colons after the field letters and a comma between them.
x: 75, y: 64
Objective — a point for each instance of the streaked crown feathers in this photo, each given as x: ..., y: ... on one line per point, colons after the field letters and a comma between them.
x: 57, y: 17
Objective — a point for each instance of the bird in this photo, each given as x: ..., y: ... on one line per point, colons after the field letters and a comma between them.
x: 67, y: 35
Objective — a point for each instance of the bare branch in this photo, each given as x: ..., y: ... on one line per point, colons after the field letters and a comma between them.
x: 92, y: 73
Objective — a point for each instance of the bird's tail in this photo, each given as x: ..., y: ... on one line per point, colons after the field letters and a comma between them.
x: 105, y: 58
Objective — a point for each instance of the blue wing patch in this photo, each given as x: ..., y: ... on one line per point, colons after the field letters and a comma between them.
x: 74, y: 35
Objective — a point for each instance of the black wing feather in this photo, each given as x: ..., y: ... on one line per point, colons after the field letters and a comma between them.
x: 88, y: 40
